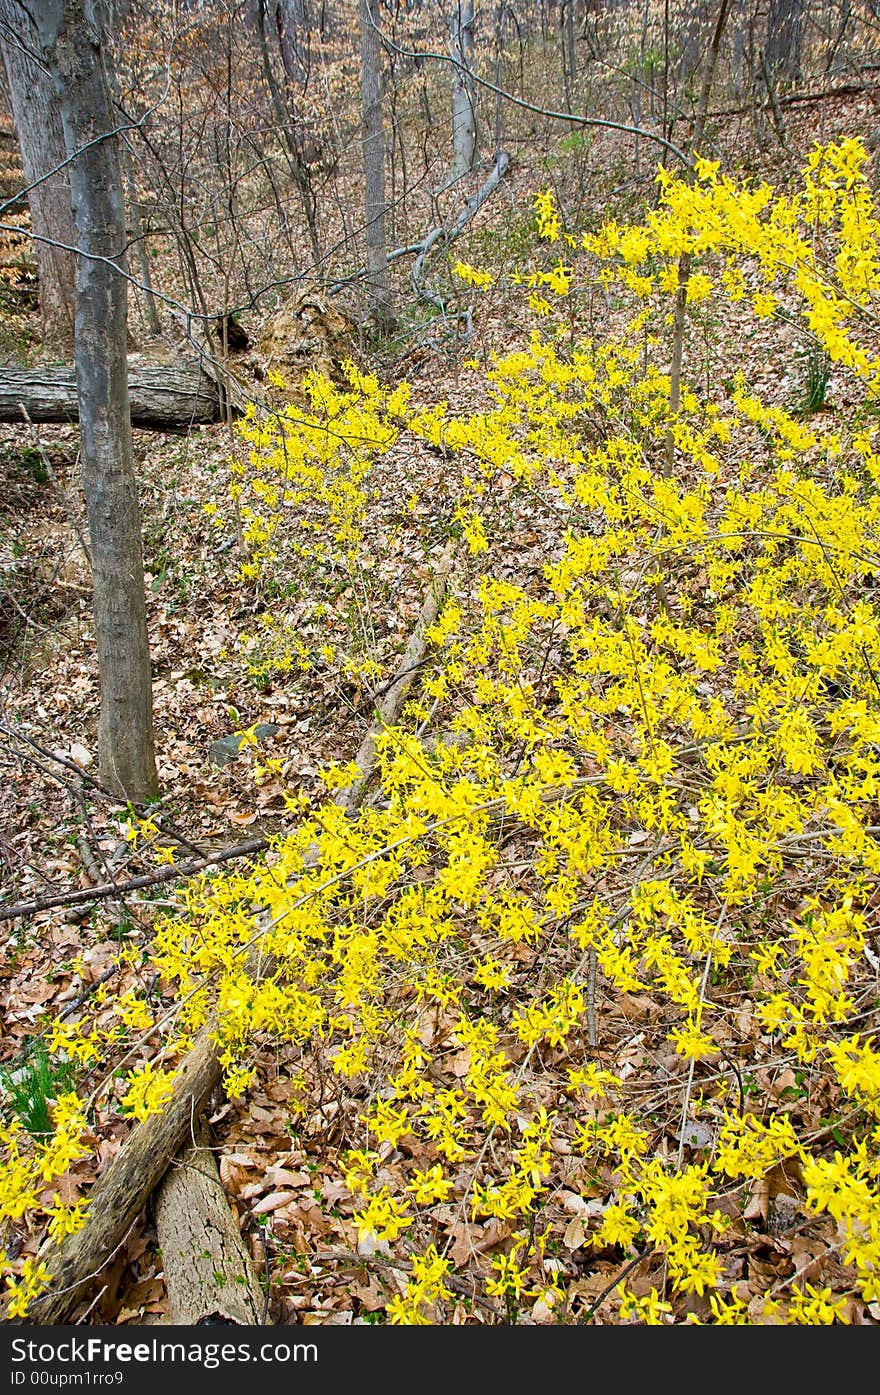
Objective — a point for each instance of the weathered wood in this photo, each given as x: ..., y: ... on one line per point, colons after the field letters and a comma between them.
x: 373, y: 147
x: 208, y: 1270
x: 163, y: 397
x: 122, y: 1191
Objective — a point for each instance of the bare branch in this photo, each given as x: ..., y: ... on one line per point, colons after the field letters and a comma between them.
x: 177, y: 872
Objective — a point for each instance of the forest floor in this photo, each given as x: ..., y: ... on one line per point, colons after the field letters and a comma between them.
x: 59, y: 831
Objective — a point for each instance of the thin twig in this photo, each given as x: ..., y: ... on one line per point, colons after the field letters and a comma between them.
x: 597, y: 1302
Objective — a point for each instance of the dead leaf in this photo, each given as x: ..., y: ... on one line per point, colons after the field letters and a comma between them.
x: 272, y: 1202
x: 281, y: 1177
x: 575, y: 1234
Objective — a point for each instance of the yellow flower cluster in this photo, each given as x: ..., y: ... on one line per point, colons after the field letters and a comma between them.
x: 472, y: 275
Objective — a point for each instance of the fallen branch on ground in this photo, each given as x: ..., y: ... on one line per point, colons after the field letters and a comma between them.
x: 208, y: 1270
x: 176, y: 872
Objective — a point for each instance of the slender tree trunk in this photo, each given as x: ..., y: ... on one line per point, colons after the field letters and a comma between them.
x: 691, y: 22
x: 116, y: 18
x: 151, y: 312
x: 378, y: 288
x: 41, y: 142
x: 464, y: 123
x: 70, y: 39
x: 293, y: 40
x: 832, y: 62
x: 287, y: 116
x: 569, y: 55
x: 500, y: 16
x: 739, y: 68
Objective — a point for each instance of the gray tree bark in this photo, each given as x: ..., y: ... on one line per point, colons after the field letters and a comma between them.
x: 375, y: 235
x: 569, y: 52
x: 464, y: 119
x: 169, y: 397
x: 69, y: 36
x: 41, y: 143
x: 293, y: 39
x: 208, y: 1270
x: 692, y: 21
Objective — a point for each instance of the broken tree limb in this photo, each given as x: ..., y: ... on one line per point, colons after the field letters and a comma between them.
x: 446, y: 237
x: 164, y: 397
x: 123, y: 1190
x: 787, y: 99
x: 208, y: 1270
x: 422, y: 250
x: 499, y: 169
x: 418, y: 269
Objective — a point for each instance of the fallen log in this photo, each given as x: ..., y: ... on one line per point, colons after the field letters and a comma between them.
x: 209, y: 1275
x: 168, y: 397
x: 123, y: 1190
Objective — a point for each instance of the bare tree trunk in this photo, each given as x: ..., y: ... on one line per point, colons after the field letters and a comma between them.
x: 378, y: 288
x: 832, y: 62
x: 500, y: 16
x: 569, y: 54
x: 41, y: 142
x: 135, y: 230
x: 154, y: 324
x: 691, y: 23
x: 593, y: 31
x: 464, y: 122
x: 784, y: 33
x: 286, y: 113
x: 293, y: 40
x: 70, y: 39
x: 739, y: 68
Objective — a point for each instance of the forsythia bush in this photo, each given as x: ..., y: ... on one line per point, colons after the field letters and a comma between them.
x: 651, y: 775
